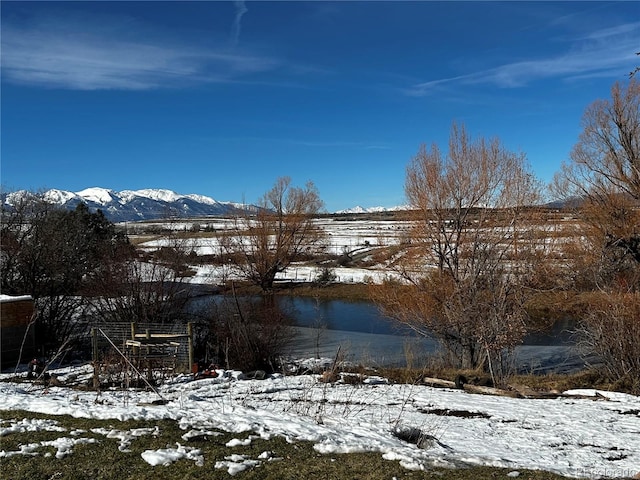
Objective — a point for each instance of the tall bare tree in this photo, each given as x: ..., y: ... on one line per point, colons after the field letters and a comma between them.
x: 604, y: 173
x: 608, y: 150
x: 467, y: 261
x: 266, y: 241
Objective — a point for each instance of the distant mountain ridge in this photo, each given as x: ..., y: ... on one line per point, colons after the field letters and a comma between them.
x: 137, y: 205
x: 154, y: 204
x: 359, y: 209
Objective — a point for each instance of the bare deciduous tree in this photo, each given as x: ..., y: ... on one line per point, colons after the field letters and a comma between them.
x: 248, y: 333
x: 280, y: 231
x: 468, y: 257
x: 608, y: 150
x: 604, y: 173
x: 145, y: 287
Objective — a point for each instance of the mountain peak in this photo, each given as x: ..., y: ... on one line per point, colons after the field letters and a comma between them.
x: 99, y: 195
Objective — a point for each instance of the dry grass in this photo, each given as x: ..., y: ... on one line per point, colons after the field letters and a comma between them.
x: 103, y: 460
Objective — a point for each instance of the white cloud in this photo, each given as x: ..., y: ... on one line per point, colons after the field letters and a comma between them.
x: 615, y: 31
x: 64, y: 55
x: 596, y: 55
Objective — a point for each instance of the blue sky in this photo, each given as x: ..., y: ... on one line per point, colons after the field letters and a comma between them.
x: 221, y: 98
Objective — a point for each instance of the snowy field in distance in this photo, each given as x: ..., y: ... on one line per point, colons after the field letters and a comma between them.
x: 355, y: 236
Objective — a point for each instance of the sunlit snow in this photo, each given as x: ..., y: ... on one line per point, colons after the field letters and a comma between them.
x: 573, y: 435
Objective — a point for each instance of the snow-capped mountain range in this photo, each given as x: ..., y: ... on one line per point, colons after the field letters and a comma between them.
x: 152, y: 204
x: 359, y: 209
x: 136, y: 205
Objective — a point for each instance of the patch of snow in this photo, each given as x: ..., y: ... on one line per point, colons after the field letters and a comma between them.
x: 63, y: 445
x: 236, y: 464
x: 236, y: 442
x: 11, y: 298
x: 201, y: 199
x: 359, y: 209
x: 29, y: 425
x: 166, y: 456
x: 195, y: 434
x: 152, y: 193
x: 126, y: 437
x: 165, y: 195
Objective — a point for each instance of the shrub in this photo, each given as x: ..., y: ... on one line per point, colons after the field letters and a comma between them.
x: 325, y: 276
x: 611, y: 332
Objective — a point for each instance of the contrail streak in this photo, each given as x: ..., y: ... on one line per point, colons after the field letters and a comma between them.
x: 241, y: 9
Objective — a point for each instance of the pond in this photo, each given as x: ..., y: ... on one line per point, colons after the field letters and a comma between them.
x: 363, y: 334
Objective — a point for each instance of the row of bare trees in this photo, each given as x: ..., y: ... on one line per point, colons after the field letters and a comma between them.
x: 48, y: 253
x: 479, y: 249
x: 79, y: 267
x: 482, y: 245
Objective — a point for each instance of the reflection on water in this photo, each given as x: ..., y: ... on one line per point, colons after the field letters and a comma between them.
x: 392, y: 350
x: 365, y: 335
x: 360, y: 330
x: 361, y: 317
x: 364, y: 317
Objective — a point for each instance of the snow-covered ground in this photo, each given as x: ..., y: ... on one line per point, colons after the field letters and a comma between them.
x: 573, y: 436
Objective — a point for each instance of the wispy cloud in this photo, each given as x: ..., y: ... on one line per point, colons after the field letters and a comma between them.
x: 241, y: 9
x: 615, y: 31
x: 599, y: 54
x: 64, y: 55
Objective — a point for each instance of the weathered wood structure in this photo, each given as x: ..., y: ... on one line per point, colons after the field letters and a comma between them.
x: 155, y: 352
x: 148, y: 356
x: 16, y: 330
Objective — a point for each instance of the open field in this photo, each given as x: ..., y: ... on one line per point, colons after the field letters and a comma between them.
x: 359, y: 248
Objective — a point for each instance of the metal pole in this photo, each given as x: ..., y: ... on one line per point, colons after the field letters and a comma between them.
x: 190, y: 344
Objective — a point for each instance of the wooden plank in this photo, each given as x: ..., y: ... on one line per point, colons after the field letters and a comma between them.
x: 438, y: 382
x: 162, y: 335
